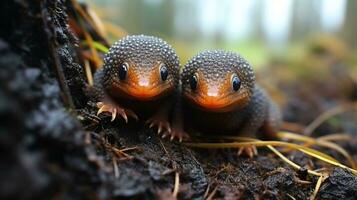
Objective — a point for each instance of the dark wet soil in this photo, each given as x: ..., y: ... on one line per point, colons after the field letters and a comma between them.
x: 54, y: 147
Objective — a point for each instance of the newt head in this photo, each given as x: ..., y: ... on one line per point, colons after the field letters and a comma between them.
x: 141, y: 68
x: 217, y: 81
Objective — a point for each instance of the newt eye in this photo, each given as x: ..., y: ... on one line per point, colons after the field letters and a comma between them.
x: 123, y: 71
x: 235, y: 83
x: 193, y: 82
x: 164, y: 72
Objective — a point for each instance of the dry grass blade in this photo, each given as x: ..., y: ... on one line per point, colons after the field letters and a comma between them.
x: 98, y: 46
x: 292, y: 136
x: 339, y: 149
x: 309, y: 151
x: 320, y: 142
x: 291, y: 163
x: 281, y: 156
x: 292, y: 126
x: 115, y: 30
x: 336, y: 137
x: 97, y: 61
x: 95, y: 57
x: 97, y: 22
x: 88, y: 18
x: 327, y: 114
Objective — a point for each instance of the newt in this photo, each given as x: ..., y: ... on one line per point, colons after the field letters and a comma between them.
x: 139, y: 79
x: 220, y: 96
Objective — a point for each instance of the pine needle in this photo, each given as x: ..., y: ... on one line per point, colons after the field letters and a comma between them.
x: 328, y: 114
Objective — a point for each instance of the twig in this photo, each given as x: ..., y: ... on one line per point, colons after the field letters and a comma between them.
x: 212, y: 193
x: 163, y: 147
x: 177, y: 184
x: 87, y: 139
x: 115, y: 166
x: 293, y: 198
x: 67, y: 97
x: 321, y: 179
x: 121, y: 152
x: 206, y: 192
x: 174, y: 168
x: 88, y: 72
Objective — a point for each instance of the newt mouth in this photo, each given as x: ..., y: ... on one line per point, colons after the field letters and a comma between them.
x: 218, y: 104
x: 142, y: 93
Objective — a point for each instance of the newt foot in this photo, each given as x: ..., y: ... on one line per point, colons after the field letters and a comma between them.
x: 114, y: 110
x: 159, y: 122
x: 250, y: 151
x: 176, y: 133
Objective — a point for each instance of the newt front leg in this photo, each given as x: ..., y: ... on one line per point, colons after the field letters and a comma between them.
x: 178, y: 128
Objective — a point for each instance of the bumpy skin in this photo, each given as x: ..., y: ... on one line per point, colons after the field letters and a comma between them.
x: 215, y: 107
x: 142, y: 90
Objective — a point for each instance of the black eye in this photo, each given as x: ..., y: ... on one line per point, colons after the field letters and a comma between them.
x: 123, y: 71
x: 193, y: 82
x: 236, y: 83
x: 164, y: 72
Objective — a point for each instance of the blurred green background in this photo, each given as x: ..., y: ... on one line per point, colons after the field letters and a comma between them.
x: 257, y: 29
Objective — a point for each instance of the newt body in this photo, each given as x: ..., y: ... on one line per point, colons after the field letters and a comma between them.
x: 139, y: 79
x: 220, y: 96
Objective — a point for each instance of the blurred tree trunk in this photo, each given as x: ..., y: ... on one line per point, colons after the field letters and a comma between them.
x: 350, y: 26
x: 306, y: 18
